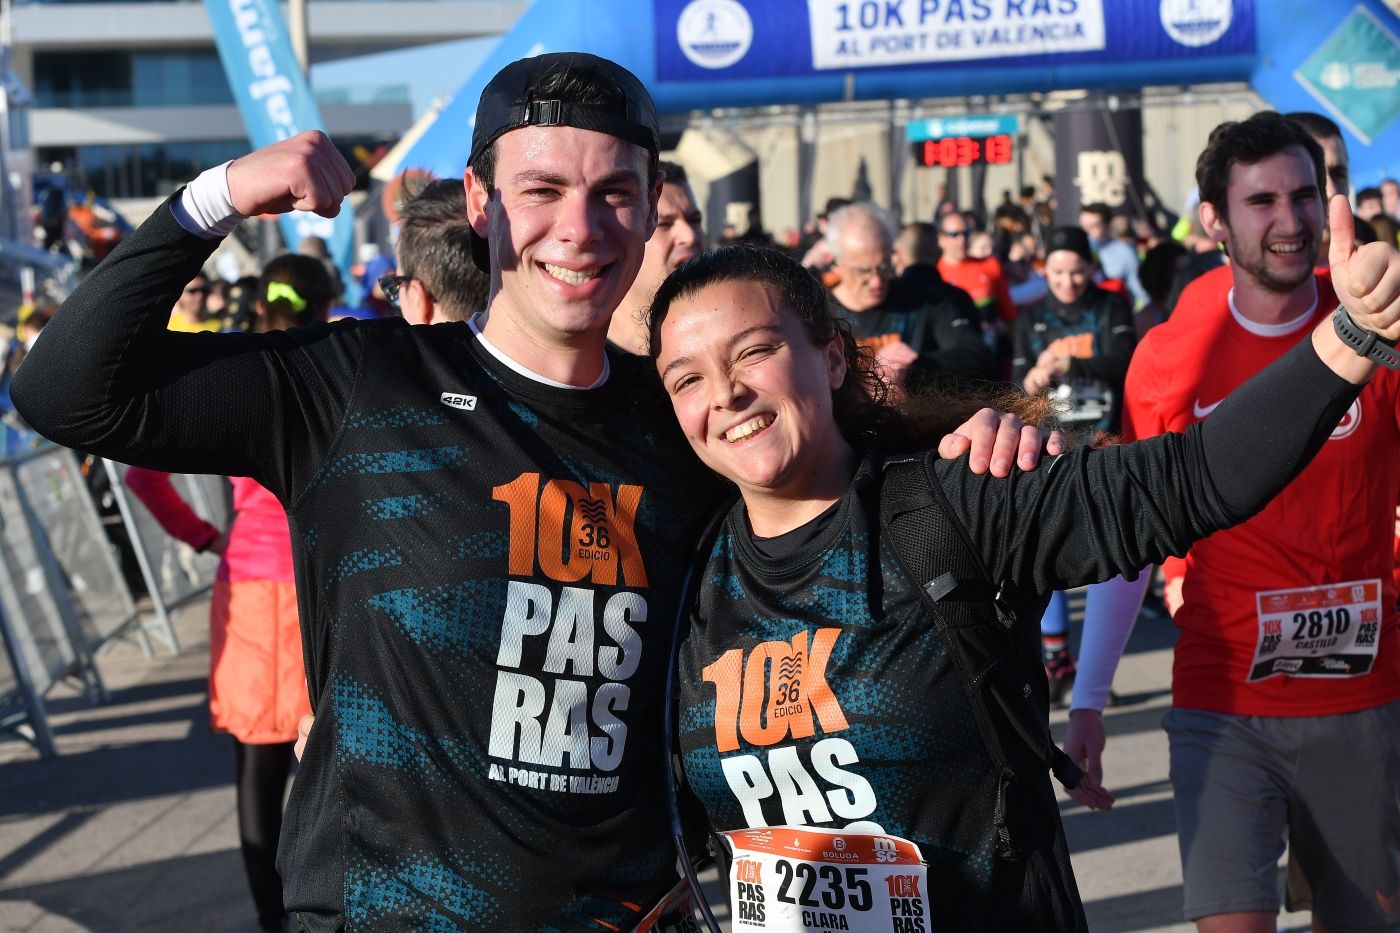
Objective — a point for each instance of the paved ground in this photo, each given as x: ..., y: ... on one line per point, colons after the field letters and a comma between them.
x: 1126, y: 860
x: 132, y: 828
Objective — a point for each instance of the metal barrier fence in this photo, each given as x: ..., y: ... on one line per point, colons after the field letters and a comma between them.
x: 84, y: 560
x: 62, y: 593
x: 174, y: 572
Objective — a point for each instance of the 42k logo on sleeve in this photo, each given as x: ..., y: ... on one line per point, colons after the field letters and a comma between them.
x: 774, y: 693
x: 566, y: 711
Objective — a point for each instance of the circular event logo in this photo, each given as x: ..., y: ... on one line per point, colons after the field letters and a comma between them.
x: 1349, y: 423
x: 1336, y: 76
x: 714, y: 33
x: 1196, y: 22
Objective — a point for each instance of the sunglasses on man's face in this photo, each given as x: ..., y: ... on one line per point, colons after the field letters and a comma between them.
x: 954, y: 234
x: 391, y: 285
x: 198, y: 290
x: 865, y: 273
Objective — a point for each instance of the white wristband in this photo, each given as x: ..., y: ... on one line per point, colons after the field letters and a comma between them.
x: 205, y: 207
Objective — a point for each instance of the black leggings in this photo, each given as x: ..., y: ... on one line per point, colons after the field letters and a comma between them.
x: 262, y: 772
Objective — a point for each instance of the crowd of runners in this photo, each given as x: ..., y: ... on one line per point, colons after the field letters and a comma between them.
x: 648, y: 545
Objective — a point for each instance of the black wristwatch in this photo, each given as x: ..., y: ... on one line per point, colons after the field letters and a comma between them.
x: 1364, y: 342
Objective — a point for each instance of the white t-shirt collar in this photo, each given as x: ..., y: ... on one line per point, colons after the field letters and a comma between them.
x: 530, y: 374
x: 1274, y: 330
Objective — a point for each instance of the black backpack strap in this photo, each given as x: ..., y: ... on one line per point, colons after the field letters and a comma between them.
x: 690, y: 830
x: 936, y: 554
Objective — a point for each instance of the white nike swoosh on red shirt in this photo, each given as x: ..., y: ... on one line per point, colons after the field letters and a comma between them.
x: 1201, y: 411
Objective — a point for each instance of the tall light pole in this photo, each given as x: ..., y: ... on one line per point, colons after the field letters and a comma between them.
x: 296, y: 32
x: 296, y: 28
x: 10, y: 209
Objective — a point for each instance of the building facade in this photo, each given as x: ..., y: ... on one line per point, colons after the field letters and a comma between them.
x: 130, y: 96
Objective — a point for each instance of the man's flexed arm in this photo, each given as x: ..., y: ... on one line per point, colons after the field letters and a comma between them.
x: 107, y: 377
x: 303, y: 173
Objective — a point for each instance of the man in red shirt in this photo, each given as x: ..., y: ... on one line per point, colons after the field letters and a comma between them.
x: 1286, y: 674
x: 983, y: 279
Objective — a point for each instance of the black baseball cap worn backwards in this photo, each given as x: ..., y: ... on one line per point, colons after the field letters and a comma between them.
x: 511, y: 100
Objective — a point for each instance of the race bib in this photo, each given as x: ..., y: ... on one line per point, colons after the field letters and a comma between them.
x: 796, y: 880
x: 1082, y: 401
x: 1318, y: 631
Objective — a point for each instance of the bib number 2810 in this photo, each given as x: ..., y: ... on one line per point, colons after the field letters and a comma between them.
x: 1318, y: 631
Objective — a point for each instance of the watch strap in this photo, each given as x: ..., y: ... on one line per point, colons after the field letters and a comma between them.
x: 1366, y: 343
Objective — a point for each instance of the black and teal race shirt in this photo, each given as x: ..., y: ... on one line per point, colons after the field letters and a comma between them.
x: 814, y: 690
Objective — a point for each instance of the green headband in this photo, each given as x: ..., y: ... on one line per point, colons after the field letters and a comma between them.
x: 276, y: 290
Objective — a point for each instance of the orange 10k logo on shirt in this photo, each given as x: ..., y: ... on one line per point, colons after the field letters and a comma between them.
x: 779, y: 690
x: 600, y: 536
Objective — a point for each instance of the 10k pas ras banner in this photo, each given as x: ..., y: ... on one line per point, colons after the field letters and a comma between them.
x: 707, y: 39
x: 849, y: 35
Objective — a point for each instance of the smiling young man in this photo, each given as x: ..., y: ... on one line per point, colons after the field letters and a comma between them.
x: 485, y: 524
x: 489, y: 518
x: 1286, y: 675
x: 485, y: 518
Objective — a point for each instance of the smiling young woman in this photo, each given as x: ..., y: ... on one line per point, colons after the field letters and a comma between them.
x: 814, y: 686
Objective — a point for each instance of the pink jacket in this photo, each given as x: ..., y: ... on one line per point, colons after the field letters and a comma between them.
x: 259, y: 545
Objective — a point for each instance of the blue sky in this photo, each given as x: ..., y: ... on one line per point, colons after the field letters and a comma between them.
x: 421, y: 74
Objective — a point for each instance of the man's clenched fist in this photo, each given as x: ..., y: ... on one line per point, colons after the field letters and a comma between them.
x: 303, y: 173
